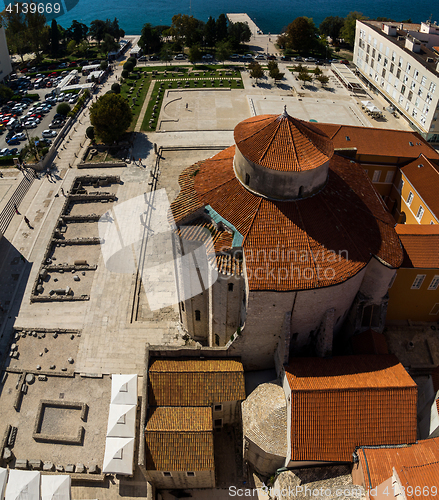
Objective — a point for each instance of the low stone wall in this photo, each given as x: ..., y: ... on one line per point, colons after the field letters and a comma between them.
x: 101, y: 165
x: 53, y: 438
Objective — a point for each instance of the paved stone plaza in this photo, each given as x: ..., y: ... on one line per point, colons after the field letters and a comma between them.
x: 117, y: 321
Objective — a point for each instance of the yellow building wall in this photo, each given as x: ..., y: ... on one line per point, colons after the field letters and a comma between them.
x: 412, y: 210
x: 379, y: 172
x: 406, y: 303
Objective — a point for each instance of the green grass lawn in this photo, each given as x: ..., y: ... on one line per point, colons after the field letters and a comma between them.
x: 136, y: 86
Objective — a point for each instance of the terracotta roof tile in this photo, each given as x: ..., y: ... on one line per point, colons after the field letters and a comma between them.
x: 280, y: 142
x: 337, y: 230
x: 378, y: 142
x: 179, y: 439
x: 379, y: 462
x: 420, y: 480
x: 369, y: 342
x: 195, y: 382
x: 340, y: 403
x: 425, y: 180
x: 420, y: 244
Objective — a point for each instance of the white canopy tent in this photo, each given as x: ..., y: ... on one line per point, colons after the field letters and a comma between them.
x: 3, y: 479
x: 124, y: 389
x: 122, y: 421
x: 23, y: 485
x: 118, y: 458
x: 55, y: 487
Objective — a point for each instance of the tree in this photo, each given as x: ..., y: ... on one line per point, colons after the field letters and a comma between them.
x: 63, y: 108
x: 115, y: 88
x: 37, y: 33
x: 348, y: 31
x: 125, y: 73
x: 77, y: 31
x: 273, y: 71
x: 238, y: 33
x: 54, y: 37
x: 71, y: 46
x: 104, y: 65
x: 317, y: 72
x: 221, y: 27
x: 186, y: 29
x: 82, y: 48
x: 5, y: 93
x: 14, y: 22
x: 97, y: 30
x: 90, y: 133
x: 223, y: 51
x: 109, y: 44
x: 323, y: 79
x: 301, y: 35
x: 166, y: 54
x: 194, y: 54
x: 129, y: 66
x: 111, y: 116
x: 256, y: 71
x: 304, y: 77
x: 115, y: 30
x: 150, y: 39
x: 331, y: 26
x: 210, y: 32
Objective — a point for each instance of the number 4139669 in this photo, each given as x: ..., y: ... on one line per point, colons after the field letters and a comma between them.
x: 41, y: 8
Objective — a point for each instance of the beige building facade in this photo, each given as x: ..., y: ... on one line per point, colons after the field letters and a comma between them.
x: 400, y: 61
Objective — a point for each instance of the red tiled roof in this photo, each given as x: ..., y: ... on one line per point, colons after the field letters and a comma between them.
x: 280, y: 142
x: 425, y: 180
x: 369, y: 342
x: 195, y: 382
x: 418, y: 481
x: 179, y: 439
x: 340, y: 403
x: 378, y: 463
x: 420, y: 243
x: 378, y: 142
x: 318, y: 241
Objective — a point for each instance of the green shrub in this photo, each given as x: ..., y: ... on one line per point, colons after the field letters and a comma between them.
x: 90, y: 132
x: 63, y: 108
x: 132, y: 60
x: 125, y: 73
x: 115, y: 88
x: 128, y: 66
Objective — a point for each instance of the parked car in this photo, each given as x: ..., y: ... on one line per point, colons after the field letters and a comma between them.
x: 73, y: 99
x: 153, y: 58
x: 56, y: 125
x: 298, y: 58
x: 260, y: 57
x: 247, y: 57
x: 12, y: 142
x: 179, y: 57
x: 271, y: 58
x: 21, y: 136
x: 285, y: 58
x: 143, y: 58
x: 4, y: 152
x: 49, y: 133
x: 344, y: 61
x: 13, y: 151
x: 207, y: 57
x: 62, y: 65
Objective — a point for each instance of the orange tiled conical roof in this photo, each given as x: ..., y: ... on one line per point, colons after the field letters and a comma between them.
x: 280, y: 142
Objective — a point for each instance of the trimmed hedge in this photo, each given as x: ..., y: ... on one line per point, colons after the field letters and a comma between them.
x: 79, y: 104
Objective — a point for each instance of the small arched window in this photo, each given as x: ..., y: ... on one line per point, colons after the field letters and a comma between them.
x: 247, y: 179
x: 197, y: 315
x: 230, y: 287
x: 301, y: 192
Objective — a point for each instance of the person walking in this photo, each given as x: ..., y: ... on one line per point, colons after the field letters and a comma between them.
x: 16, y: 209
x: 27, y: 222
x: 62, y: 192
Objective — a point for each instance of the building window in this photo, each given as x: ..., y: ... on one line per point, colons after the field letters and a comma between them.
x: 434, y: 283
x: 218, y: 408
x: 197, y: 315
x: 416, y: 74
x: 167, y: 474
x: 376, y: 176
x: 218, y: 422
x: 420, y: 213
x: 392, y: 66
x: 217, y: 339
x: 389, y: 177
x: 230, y: 287
x: 410, y: 198
x: 190, y: 474
x: 401, y: 184
x: 398, y: 73
x: 423, y: 80
x: 418, y: 281
x: 408, y: 68
x: 371, y: 316
x: 247, y: 179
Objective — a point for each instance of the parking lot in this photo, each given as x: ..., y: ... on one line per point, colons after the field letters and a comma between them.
x: 26, y: 118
